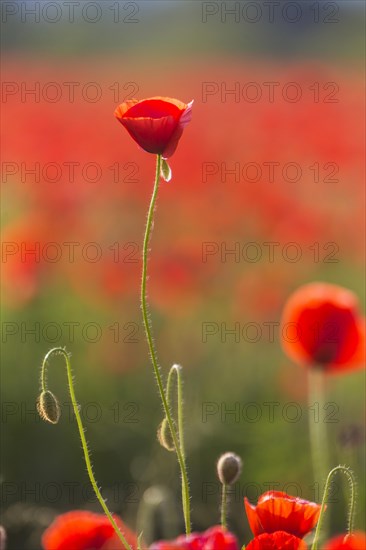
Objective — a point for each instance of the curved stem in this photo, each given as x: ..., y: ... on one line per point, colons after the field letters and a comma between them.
x: 351, y: 514
x: 224, y: 506
x: 61, y: 351
x: 147, y: 325
x: 176, y: 369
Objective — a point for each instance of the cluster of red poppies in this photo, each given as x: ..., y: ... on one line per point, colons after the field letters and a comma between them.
x: 78, y: 209
x: 279, y: 521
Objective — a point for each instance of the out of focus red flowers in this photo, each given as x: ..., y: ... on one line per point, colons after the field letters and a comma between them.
x: 322, y: 325
x: 156, y: 124
x: 104, y: 200
x: 276, y: 541
x: 212, y: 539
x: 82, y: 530
x: 356, y: 541
x: 277, y: 511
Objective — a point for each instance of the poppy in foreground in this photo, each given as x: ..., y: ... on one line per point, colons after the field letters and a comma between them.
x: 356, y: 541
x: 277, y: 511
x: 156, y: 124
x: 82, y: 530
x: 276, y: 541
x: 212, y: 539
x: 322, y: 326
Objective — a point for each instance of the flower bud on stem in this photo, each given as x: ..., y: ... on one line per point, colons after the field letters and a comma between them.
x: 49, y: 410
x: 228, y: 470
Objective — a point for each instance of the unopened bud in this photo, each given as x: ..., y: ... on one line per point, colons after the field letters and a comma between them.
x: 165, y: 436
x: 48, y: 407
x: 229, y: 468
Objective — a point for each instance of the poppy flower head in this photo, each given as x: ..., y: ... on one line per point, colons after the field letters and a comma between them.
x: 356, y: 541
x: 275, y: 541
x: 277, y: 511
x: 156, y: 124
x: 321, y: 325
x: 212, y: 539
x: 82, y: 530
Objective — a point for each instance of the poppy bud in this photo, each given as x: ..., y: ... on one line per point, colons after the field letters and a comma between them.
x: 48, y: 407
x: 156, y: 124
x: 165, y: 436
x: 229, y: 468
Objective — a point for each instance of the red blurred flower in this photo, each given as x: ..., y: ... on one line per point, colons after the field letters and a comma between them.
x: 276, y: 541
x: 82, y: 530
x: 212, y: 539
x: 277, y: 511
x: 321, y: 325
x: 156, y: 124
x: 356, y: 541
x: 24, y: 257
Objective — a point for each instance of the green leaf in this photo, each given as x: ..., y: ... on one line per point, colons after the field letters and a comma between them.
x: 165, y: 172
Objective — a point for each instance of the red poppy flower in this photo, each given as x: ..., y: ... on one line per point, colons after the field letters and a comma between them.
x: 82, y: 530
x: 356, y: 541
x: 277, y: 511
x: 321, y: 325
x: 212, y: 539
x: 275, y: 541
x: 156, y: 124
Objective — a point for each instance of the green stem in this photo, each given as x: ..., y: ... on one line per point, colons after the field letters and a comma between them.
x: 61, y: 351
x: 147, y: 325
x: 176, y: 369
x: 224, y: 506
x: 317, y: 427
x: 351, y: 514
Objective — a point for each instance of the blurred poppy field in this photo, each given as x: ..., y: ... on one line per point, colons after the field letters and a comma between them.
x: 267, y: 195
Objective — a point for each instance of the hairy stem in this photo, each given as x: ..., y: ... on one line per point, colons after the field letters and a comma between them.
x: 153, y: 354
x: 352, y: 503
x: 176, y: 370
x: 61, y: 351
x: 224, y: 506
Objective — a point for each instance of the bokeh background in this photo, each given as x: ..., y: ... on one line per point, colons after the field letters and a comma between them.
x: 75, y: 193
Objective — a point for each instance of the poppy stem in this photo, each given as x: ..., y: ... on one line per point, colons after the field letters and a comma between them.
x: 224, y: 506
x: 317, y: 429
x: 153, y: 354
x: 352, y: 504
x: 177, y: 369
x: 63, y: 352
